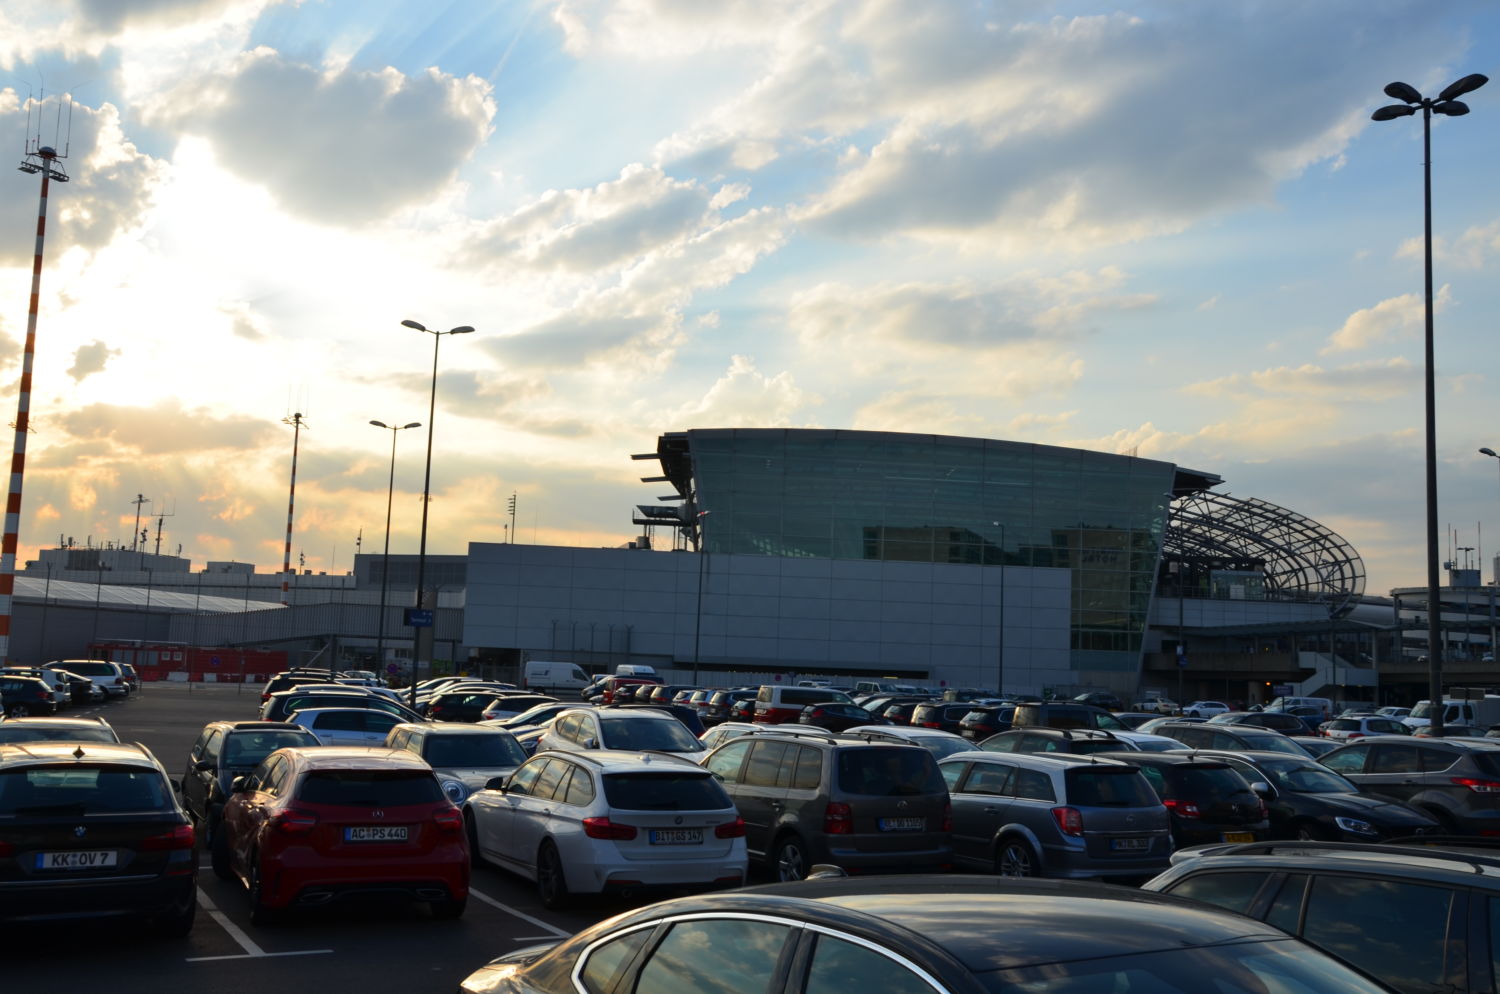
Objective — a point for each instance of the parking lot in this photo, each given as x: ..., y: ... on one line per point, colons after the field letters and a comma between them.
x: 379, y: 948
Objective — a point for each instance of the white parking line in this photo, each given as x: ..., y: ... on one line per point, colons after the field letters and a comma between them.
x: 554, y: 932
x: 251, y: 950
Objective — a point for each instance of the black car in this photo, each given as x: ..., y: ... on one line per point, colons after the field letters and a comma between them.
x: 1276, y: 721
x: 1306, y: 800
x: 942, y: 715
x: 21, y: 696
x: 1207, y: 798
x: 92, y: 830
x: 837, y: 717
x: 719, y: 702
x: 225, y: 750
x: 1074, y: 741
x: 982, y: 722
x: 1101, y: 699
x: 1416, y: 917
x: 1055, y: 714
x: 924, y: 935
x: 282, y: 704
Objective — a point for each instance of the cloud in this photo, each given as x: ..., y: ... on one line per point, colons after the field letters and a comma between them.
x: 1470, y: 250
x: 340, y: 146
x: 645, y: 28
x: 164, y: 428
x: 109, y: 190
x: 111, y: 16
x: 89, y: 359
x: 1392, y: 318
x: 745, y: 397
x: 1357, y: 383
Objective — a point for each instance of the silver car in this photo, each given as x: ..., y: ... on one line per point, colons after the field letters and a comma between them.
x: 465, y: 757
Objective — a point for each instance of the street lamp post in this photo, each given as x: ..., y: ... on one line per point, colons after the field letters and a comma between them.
x: 385, y: 560
x: 437, y: 338
x: 1486, y: 450
x: 1447, y: 102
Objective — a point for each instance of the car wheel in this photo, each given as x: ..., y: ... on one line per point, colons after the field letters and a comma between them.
x: 260, y: 914
x: 789, y: 859
x: 218, y: 851
x: 1309, y: 831
x: 471, y: 831
x: 1445, y: 822
x: 1014, y: 858
x: 176, y: 926
x: 551, y: 884
x: 449, y: 909
x: 18, y: 711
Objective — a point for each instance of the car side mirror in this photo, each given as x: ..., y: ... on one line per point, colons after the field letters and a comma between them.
x: 238, y: 785
x: 591, y: 743
x: 1262, y: 788
x: 495, y: 783
x: 204, y: 765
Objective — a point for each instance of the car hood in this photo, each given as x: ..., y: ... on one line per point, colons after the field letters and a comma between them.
x: 1362, y: 806
x: 474, y: 778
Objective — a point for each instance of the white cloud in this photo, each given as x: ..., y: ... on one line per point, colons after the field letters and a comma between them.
x: 90, y: 359
x: 1393, y: 318
x: 1358, y: 382
x: 745, y: 397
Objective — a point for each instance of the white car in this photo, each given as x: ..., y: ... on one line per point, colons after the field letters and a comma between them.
x: 605, y: 821
x: 58, y: 684
x: 346, y: 726
x: 630, y: 729
x: 1206, y: 709
x: 939, y: 743
x: 465, y: 757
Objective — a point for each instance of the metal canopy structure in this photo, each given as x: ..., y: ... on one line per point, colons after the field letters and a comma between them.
x: 1301, y: 559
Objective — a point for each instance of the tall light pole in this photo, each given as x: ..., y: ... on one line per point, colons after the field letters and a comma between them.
x: 1486, y: 450
x: 1447, y: 102
x: 385, y: 560
x: 437, y: 338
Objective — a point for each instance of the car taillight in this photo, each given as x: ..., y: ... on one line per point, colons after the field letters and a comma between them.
x: 1356, y: 735
x: 449, y: 819
x: 948, y: 816
x: 178, y: 837
x: 816, y: 713
x: 44, y: 695
x: 603, y: 828
x: 932, y: 724
x: 1185, y: 809
x: 434, y: 710
x: 838, y: 818
x: 1069, y: 820
x: 294, y: 822
x: 730, y: 829
x: 6, y: 849
x: 1478, y: 786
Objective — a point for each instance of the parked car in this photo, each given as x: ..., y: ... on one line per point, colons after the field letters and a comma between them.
x: 608, y: 821
x: 105, y: 674
x: 54, y: 679
x: 1307, y: 800
x: 1023, y: 815
x: 1276, y: 721
x: 1410, y: 916
x: 346, y: 726
x: 726, y: 730
x: 93, y: 832
x: 775, y: 704
x: 982, y: 722
x: 532, y: 716
x: 629, y: 729
x: 225, y: 750
x: 1393, y: 712
x: 1347, y: 729
x: 836, y: 717
x: 1456, y: 781
x: 132, y: 678
x: 940, y: 744
x: 719, y: 702
x: 1314, y: 745
x: 820, y: 798
x: 283, y: 703
x: 1076, y: 741
x: 742, y: 709
x: 1146, y: 742
x: 14, y: 730
x: 1055, y: 714
x: 1206, y: 709
x: 943, y: 716
x: 1135, y: 719
x: 942, y: 934
x: 288, y: 679
x: 300, y: 831
x: 1101, y: 699
x: 81, y: 689
x: 467, y: 704
x: 464, y: 757
x: 1158, y: 705
x: 513, y: 705
x: 1228, y: 738
x: 24, y: 696
x: 1207, y: 799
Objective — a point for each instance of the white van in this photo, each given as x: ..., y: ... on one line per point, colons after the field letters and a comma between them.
x: 1285, y: 703
x: 636, y: 670
x: 545, y: 675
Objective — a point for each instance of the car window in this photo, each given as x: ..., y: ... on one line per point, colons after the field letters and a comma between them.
x: 727, y: 956
x: 1347, y: 760
x: 647, y: 734
x: 988, y: 778
x: 605, y: 962
x: 1004, y: 742
x: 1286, y: 910
x: 1090, y: 786
x: 1351, y: 918
x: 1156, y: 778
x: 274, y: 781
x: 765, y: 763
x: 1396, y: 759
x: 809, y: 772
x: 522, y: 780
x: 373, y: 788
x: 473, y: 751
x: 689, y: 790
x: 552, y: 774
x: 1234, y: 891
x: 1032, y: 785
x: 889, y: 771
x: 952, y: 774
x: 838, y: 966
x: 579, y: 790
x: 82, y: 790
x: 243, y: 750
x: 726, y: 761
x: 339, y: 721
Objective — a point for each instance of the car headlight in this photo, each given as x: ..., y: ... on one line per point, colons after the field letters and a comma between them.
x: 456, y: 791
x: 1356, y: 826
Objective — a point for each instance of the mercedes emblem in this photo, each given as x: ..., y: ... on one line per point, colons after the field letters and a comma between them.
x: 377, y: 814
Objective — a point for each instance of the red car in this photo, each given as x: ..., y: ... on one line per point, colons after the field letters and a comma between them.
x: 312, y: 826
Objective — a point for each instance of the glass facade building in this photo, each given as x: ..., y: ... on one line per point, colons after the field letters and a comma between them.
x: 939, y: 499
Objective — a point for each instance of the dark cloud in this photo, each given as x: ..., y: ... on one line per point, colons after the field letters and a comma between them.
x: 90, y: 359
x: 165, y: 428
x: 109, y: 16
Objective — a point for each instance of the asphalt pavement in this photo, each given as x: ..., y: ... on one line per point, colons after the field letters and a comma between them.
x: 378, y: 949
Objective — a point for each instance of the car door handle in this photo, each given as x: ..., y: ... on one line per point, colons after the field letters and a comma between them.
x: 777, y: 805
x: 990, y: 811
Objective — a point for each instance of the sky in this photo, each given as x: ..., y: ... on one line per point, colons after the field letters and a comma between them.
x: 1164, y: 228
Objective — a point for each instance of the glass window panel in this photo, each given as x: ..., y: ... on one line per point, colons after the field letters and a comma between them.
x: 1351, y: 919
x: 727, y: 956
x: 765, y: 762
x: 1234, y: 891
x: 838, y: 967
x: 604, y: 964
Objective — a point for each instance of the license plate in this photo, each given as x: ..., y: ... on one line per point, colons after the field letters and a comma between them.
x: 1239, y: 836
x: 375, y: 833
x: 1129, y: 845
x: 77, y: 860
x: 676, y: 836
x: 902, y: 824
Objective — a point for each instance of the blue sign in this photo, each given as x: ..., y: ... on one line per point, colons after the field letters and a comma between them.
x: 419, y: 617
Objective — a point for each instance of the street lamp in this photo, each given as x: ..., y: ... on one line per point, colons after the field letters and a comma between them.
x: 1447, y: 102
x: 437, y: 338
x: 385, y: 560
x: 1491, y: 452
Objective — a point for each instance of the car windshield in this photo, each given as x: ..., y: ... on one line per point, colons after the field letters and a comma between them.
x: 1275, y: 743
x: 16, y: 731
x: 370, y: 788
x: 889, y: 772
x: 639, y: 733
x: 685, y: 791
x: 244, y: 750
x: 80, y: 789
x: 474, y: 751
x: 1276, y: 966
x: 942, y: 746
x: 1306, y: 778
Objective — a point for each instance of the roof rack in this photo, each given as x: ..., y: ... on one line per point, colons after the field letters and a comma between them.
x: 1411, y: 846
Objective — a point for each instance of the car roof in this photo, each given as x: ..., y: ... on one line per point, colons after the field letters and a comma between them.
x: 53, y: 752
x: 56, y: 721
x: 1461, y: 742
x: 352, y: 757
x: 447, y: 727
x: 1421, y: 861
x: 627, y: 760
x: 1040, y: 760
x: 255, y: 726
x: 620, y: 713
x: 961, y: 916
x: 1175, y: 758
x: 904, y: 732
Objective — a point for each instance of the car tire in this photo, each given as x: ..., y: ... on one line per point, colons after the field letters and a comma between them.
x: 551, y: 883
x: 471, y: 832
x: 178, y: 925
x: 260, y: 914
x: 1014, y: 857
x: 18, y: 711
x: 789, y: 859
x: 218, y: 855
x: 447, y: 910
x: 1311, y: 831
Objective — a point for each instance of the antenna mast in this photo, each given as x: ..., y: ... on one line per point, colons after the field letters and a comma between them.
x: 162, y: 516
x: 37, y: 158
x: 136, y: 541
x: 286, y: 563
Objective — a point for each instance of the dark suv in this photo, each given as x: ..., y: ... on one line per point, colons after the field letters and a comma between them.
x: 21, y: 696
x: 1277, y: 721
x: 1054, y: 714
x: 1415, y: 917
x: 811, y: 798
x: 1457, y: 781
x: 223, y: 751
x: 982, y: 722
x: 1067, y: 740
x: 942, y: 715
x: 1227, y: 738
x: 1207, y: 799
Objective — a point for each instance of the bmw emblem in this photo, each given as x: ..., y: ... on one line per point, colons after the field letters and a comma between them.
x: 678, y: 820
x: 80, y: 831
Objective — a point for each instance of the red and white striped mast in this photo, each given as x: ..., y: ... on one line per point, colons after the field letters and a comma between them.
x: 42, y: 159
x: 286, y: 561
